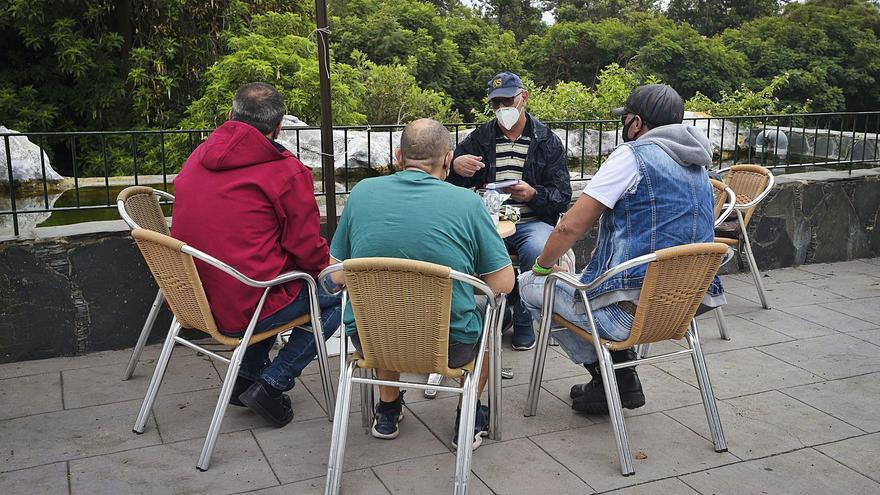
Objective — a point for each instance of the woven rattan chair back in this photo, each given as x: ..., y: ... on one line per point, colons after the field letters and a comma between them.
x: 401, y: 308
x: 673, y: 288
x: 143, y: 207
x: 748, y: 182
x: 175, y: 272
x: 720, y: 195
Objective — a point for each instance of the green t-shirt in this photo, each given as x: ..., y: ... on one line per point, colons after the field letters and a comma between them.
x: 414, y: 215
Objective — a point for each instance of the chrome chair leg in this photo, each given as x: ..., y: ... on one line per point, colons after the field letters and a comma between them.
x: 433, y: 379
x: 156, y: 381
x: 368, y: 400
x: 220, y: 409
x: 495, y: 373
x: 464, y: 452
x: 615, y: 411
x: 340, y: 430
x: 722, y: 323
x: 642, y: 350
x: 540, y: 359
x: 753, y: 267
x: 142, y: 338
x: 705, y: 385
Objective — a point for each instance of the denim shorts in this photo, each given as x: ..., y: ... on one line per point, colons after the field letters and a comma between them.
x: 460, y: 354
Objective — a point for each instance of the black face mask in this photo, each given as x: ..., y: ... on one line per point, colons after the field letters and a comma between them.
x: 626, y: 138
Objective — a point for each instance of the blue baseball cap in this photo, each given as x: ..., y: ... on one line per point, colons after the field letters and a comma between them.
x: 504, y: 85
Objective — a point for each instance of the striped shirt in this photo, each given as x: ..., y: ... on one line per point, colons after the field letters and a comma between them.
x: 510, y: 159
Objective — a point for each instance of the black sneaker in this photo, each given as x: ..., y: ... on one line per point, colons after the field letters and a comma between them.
x: 387, y: 417
x: 481, y: 426
x: 241, y: 384
x: 590, y: 397
x: 273, y: 407
x: 523, y: 338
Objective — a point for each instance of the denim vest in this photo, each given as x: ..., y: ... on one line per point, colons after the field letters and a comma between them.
x: 671, y: 205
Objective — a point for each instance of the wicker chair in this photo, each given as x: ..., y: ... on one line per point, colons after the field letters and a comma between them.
x: 750, y: 183
x: 725, y: 202
x: 139, y: 207
x: 171, y: 263
x: 675, y: 282
x: 411, y: 335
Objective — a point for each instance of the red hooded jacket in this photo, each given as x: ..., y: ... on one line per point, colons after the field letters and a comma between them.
x: 246, y: 201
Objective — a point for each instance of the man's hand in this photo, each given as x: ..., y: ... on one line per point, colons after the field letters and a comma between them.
x: 467, y: 165
x: 521, y: 192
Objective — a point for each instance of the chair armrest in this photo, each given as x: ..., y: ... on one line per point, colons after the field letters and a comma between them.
x: 283, y: 278
x: 325, y: 274
x: 728, y: 207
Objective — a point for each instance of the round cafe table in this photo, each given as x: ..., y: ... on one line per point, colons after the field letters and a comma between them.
x: 506, y: 228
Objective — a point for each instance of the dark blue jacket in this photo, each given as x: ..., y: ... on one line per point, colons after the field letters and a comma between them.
x: 545, y: 169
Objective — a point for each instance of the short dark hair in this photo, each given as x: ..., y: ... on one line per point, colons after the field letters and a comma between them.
x: 425, y: 141
x: 258, y: 104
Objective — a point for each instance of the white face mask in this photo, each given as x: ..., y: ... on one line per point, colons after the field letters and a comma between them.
x: 508, y: 116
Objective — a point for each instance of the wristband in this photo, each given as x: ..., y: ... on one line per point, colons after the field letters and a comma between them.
x: 540, y: 270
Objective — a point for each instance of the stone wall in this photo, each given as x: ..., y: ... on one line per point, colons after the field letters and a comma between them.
x: 83, y: 288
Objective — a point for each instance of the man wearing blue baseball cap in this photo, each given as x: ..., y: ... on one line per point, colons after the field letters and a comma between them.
x: 514, y: 146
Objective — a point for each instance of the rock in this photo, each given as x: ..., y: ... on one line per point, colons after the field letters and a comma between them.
x: 26, y: 221
x: 26, y: 163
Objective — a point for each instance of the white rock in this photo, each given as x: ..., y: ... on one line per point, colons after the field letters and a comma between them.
x: 25, y: 155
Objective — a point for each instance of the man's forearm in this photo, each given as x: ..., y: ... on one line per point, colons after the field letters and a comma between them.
x: 560, y: 241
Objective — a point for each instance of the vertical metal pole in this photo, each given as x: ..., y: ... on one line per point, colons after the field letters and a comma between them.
x: 323, y: 35
x: 11, y: 186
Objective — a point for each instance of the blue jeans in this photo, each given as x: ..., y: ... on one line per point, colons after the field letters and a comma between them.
x: 527, y: 242
x: 299, y: 351
x: 612, y: 322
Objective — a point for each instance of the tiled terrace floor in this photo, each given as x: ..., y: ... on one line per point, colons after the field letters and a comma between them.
x: 798, y: 389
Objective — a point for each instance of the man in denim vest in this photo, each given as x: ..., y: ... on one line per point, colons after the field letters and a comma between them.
x: 653, y: 192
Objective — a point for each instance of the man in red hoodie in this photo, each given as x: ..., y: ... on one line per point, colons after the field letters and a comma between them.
x: 244, y: 199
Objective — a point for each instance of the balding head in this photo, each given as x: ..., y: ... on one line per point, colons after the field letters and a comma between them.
x: 424, y: 143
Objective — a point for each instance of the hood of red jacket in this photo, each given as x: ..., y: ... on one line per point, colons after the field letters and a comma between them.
x: 235, y: 145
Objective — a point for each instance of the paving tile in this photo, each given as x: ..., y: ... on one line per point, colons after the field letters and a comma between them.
x: 187, y: 415
x: 841, y: 267
x: 786, y: 324
x: 24, y: 368
x: 741, y: 372
x: 872, y: 336
x: 854, y: 400
x: 426, y: 475
x: 521, y: 467
x: 737, y: 304
x: 850, y: 285
x: 557, y: 365
x: 661, y: 448
x: 64, y: 435
x: 743, y: 333
x: 831, y: 356
x: 32, y: 394
x: 362, y: 482
x: 50, y: 479
x: 103, y: 384
x: 861, y: 454
x: 788, y: 294
x: 767, y: 423
x: 803, y: 472
x: 300, y: 451
x: 669, y: 486
x: 789, y: 275
x: 863, y: 309
x: 829, y: 318
x: 553, y: 415
x: 237, y: 465
x: 313, y: 384
x: 662, y: 391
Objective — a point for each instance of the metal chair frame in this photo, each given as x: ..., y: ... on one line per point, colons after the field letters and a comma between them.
x: 234, y: 362
x: 490, y: 340
x: 157, y: 301
x: 607, y: 366
x: 745, y: 209
x: 727, y: 207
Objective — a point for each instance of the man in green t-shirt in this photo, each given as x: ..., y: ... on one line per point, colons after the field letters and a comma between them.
x: 414, y: 214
